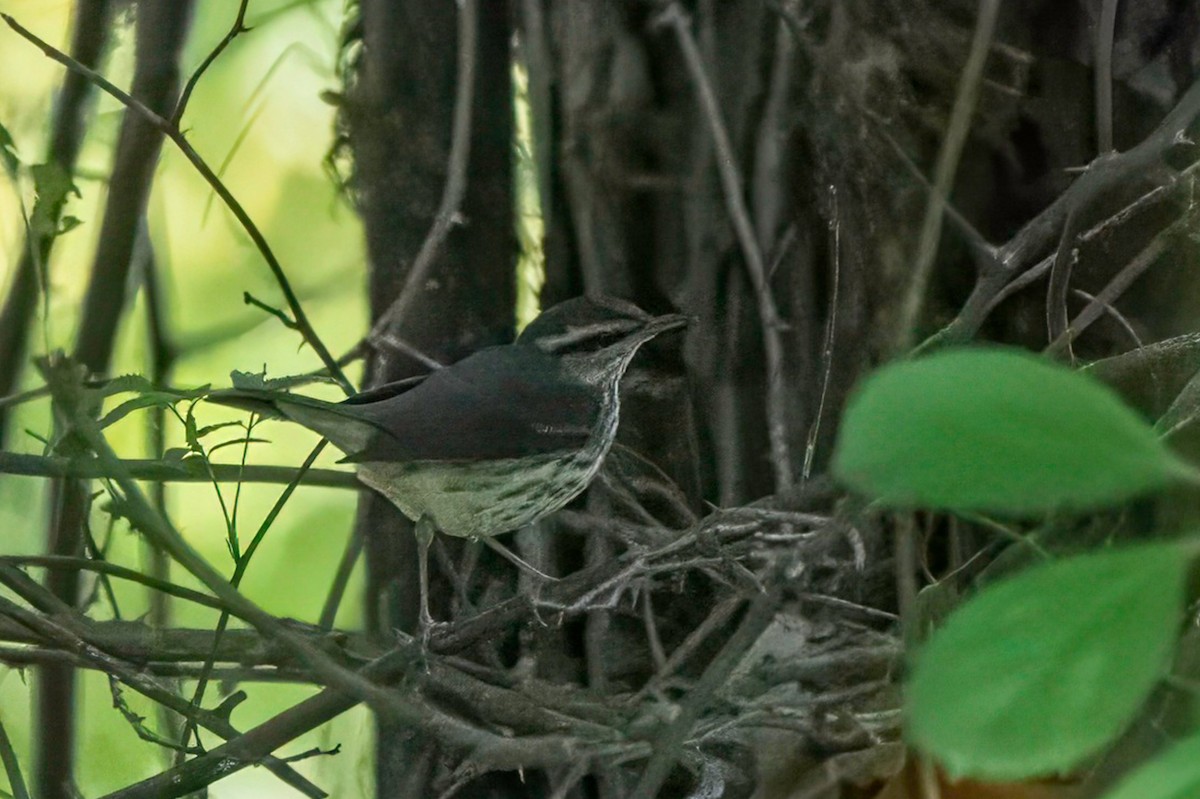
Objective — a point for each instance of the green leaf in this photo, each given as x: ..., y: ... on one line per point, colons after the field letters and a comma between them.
x: 235, y: 441
x: 1000, y: 431
x: 258, y: 381
x: 1173, y: 775
x: 138, y: 384
x: 53, y: 185
x: 1038, y: 672
x: 190, y: 433
x: 153, y: 399
x: 212, y: 428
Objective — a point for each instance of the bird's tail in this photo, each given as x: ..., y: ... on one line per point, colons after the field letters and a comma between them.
x: 346, y: 429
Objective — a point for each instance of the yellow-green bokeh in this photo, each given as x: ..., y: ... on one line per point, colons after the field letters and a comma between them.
x: 265, y: 91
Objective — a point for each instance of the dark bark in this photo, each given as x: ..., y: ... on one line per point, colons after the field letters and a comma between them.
x: 161, y: 32
x: 399, y: 119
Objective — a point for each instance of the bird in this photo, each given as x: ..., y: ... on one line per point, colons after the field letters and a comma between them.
x: 494, y: 442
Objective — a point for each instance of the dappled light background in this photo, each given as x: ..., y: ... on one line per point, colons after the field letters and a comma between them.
x: 260, y: 116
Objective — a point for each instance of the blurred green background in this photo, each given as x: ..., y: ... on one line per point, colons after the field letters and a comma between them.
x: 257, y: 111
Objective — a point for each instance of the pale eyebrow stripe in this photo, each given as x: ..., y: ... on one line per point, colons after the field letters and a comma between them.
x: 577, y: 334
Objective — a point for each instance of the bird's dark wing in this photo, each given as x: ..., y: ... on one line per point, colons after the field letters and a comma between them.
x: 383, y: 392
x: 502, y: 402
x: 342, y: 424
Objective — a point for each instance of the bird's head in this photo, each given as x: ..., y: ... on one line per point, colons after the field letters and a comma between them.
x: 596, y: 336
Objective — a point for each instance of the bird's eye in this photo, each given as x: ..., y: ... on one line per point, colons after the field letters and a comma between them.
x: 604, y: 340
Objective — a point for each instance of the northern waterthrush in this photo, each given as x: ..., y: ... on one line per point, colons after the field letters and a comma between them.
x: 496, y: 441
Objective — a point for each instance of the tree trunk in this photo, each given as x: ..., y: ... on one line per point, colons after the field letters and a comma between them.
x: 399, y: 116
x: 161, y: 32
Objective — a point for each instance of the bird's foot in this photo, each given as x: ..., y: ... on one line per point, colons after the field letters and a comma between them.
x: 428, y: 627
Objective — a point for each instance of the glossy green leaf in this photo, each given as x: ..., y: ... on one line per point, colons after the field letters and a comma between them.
x: 996, y: 430
x: 1036, y: 673
x: 1173, y: 775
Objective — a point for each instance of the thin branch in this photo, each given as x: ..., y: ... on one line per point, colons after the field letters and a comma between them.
x: 12, y: 768
x: 337, y: 589
x: 1039, y: 269
x: 171, y: 471
x: 947, y: 165
x: 23, y: 656
x: 285, y: 320
x: 1115, y: 314
x: 134, y: 506
x: 731, y: 183
x: 239, y: 571
x: 137, y: 642
x: 173, y: 133
x: 713, y: 622
x: 835, y: 249
x: 669, y: 743
x: 106, y: 567
x: 456, y: 176
x: 1059, y: 284
x: 1119, y: 283
x: 1106, y: 172
x: 1105, y: 33
x: 239, y: 27
x: 60, y: 631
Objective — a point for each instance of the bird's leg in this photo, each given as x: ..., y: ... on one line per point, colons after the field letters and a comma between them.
x: 424, y: 532
x: 466, y: 571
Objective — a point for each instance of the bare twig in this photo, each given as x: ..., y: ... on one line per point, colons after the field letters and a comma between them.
x: 105, y: 567
x: 23, y: 656
x: 284, y: 319
x: 142, y: 515
x: 670, y: 742
x: 652, y: 637
x: 1058, y: 286
x: 1105, y: 173
x: 947, y: 165
x: 239, y: 27
x: 337, y: 589
x: 1115, y: 314
x: 161, y: 32
x: 1119, y: 283
x: 176, y: 136
x: 835, y: 250
x: 171, y: 471
x: 63, y: 633
x: 12, y: 768
x: 239, y: 571
x: 247, y: 749
x: 1039, y: 269
x: 456, y: 178
x: 731, y: 183
x: 715, y: 620
x: 1103, y: 75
